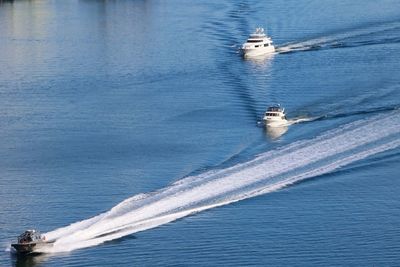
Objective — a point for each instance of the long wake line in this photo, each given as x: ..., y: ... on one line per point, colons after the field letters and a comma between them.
x: 266, y: 173
x: 374, y: 35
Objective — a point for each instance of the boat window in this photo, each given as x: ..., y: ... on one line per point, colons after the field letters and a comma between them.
x: 257, y: 46
x: 266, y: 44
x: 254, y: 41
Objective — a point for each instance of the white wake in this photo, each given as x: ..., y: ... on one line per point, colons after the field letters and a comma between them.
x: 352, y: 37
x: 300, y: 120
x: 266, y: 173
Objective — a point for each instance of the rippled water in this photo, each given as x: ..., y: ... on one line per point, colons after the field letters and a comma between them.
x: 124, y: 117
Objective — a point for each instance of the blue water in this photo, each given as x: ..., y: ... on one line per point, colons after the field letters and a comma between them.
x: 150, y: 103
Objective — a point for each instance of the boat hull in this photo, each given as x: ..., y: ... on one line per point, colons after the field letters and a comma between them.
x: 275, y: 122
x: 30, y: 248
x: 24, y: 248
x: 254, y: 52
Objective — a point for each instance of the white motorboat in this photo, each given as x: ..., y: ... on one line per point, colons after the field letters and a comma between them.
x: 275, y: 116
x: 258, y: 44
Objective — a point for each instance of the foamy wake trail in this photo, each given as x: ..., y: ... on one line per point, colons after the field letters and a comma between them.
x: 350, y: 38
x: 300, y: 120
x: 268, y: 172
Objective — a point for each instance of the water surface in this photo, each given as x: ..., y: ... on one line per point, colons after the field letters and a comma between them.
x: 101, y: 101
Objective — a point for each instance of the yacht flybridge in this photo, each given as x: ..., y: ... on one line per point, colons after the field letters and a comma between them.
x: 258, y: 44
x: 275, y: 116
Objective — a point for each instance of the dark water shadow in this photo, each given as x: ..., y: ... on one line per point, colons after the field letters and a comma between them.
x: 6, y: 2
x: 230, y: 32
x: 28, y: 260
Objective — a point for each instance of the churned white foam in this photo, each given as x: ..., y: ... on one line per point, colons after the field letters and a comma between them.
x: 267, y: 172
x: 7, y: 248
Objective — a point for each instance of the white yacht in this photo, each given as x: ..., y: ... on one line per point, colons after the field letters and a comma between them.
x: 258, y: 44
x: 275, y: 116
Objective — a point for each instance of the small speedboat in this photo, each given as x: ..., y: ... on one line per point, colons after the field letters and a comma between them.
x: 258, y: 44
x: 275, y: 116
x: 31, y: 241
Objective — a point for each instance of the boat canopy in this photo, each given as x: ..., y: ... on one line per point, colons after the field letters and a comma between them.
x: 29, y: 236
x: 259, y: 33
x: 275, y: 109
